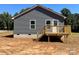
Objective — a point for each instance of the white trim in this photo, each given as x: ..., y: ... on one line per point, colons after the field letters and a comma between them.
x: 30, y: 24
x: 52, y: 21
x: 55, y: 20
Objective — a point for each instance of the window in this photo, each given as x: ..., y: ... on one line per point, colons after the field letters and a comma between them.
x: 48, y: 22
x: 55, y: 23
x: 32, y: 24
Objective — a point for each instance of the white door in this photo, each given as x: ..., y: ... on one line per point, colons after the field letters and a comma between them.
x: 48, y: 25
x: 54, y: 27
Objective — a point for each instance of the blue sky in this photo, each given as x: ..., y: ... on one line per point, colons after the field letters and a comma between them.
x: 13, y: 8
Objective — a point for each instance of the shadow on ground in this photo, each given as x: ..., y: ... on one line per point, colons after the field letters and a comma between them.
x: 9, y: 36
x: 52, y: 39
x: 43, y: 38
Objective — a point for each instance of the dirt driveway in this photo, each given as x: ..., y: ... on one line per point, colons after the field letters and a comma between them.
x: 26, y: 46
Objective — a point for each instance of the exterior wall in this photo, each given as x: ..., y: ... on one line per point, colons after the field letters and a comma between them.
x: 21, y: 24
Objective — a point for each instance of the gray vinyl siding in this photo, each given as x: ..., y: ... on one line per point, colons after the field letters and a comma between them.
x: 21, y: 24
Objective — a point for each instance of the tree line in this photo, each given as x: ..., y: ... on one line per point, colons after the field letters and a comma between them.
x: 6, y: 22
x: 72, y: 19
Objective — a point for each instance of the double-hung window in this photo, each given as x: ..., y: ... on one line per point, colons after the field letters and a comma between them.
x: 48, y: 23
x: 55, y: 23
x: 33, y: 24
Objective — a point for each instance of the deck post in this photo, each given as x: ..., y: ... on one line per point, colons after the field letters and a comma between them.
x: 65, y: 38
x: 48, y: 39
x: 37, y: 36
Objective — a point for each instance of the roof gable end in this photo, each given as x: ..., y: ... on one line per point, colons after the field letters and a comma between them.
x: 36, y: 7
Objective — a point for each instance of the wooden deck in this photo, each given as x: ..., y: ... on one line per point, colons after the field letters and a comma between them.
x: 56, y: 34
x: 55, y: 31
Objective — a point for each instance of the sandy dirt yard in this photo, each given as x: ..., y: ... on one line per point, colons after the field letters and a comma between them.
x: 26, y: 46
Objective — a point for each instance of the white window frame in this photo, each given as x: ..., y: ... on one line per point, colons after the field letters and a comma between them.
x: 31, y: 24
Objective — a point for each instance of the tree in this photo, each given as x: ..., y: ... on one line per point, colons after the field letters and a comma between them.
x: 72, y: 19
x: 75, y: 25
x: 6, y: 20
x: 66, y: 12
x: 1, y: 23
x: 16, y: 14
x: 22, y: 10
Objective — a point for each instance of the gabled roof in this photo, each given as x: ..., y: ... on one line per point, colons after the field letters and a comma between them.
x: 28, y: 10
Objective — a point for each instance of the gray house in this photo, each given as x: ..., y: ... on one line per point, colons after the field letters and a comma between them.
x: 39, y: 20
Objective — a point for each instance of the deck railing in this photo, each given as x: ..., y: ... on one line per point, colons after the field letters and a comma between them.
x: 58, y: 29
x: 54, y: 29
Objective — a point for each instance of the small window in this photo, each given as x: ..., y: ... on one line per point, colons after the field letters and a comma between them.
x: 55, y: 23
x: 32, y: 24
x: 48, y: 22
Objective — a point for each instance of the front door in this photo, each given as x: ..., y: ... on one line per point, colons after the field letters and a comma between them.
x: 48, y: 25
x: 54, y: 27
